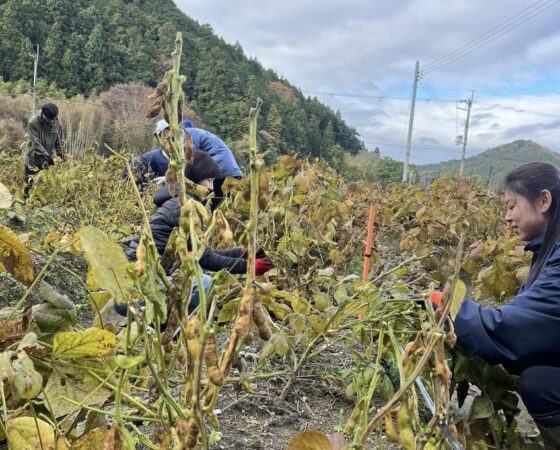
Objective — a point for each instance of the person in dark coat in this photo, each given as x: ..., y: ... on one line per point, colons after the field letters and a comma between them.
x: 524, y: 335
x: 202, y: 171
x: 43, y: 131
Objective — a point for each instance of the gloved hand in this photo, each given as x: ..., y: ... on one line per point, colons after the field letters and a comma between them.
x: 262, y: 266
x: 435, y: 297
x: 50, y: 161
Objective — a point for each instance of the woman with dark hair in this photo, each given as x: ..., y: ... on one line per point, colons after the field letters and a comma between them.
x: 202, y: 171
x: 524, y: 335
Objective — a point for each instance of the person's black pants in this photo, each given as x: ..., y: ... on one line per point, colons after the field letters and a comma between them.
x: 539, y: 387
x: 28, y: 172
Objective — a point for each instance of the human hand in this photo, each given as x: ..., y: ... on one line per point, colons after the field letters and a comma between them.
x: 262, y: 266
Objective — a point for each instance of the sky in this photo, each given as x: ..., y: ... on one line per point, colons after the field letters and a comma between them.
x: 358, y: 56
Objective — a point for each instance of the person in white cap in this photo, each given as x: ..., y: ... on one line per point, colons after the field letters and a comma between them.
x: 152, y: 164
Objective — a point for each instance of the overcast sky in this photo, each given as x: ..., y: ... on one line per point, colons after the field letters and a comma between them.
x: 359, y: 56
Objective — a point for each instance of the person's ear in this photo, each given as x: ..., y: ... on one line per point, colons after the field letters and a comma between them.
x: 544, y: 201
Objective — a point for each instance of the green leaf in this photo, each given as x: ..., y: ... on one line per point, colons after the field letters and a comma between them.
x: 300, y: 305
x: 128, y: 362
x: 292, y: 256
x: 326, y: 272
x: 228, y: 312
x: 457, y: 299
x: 297, y: 323
x: 27, y: 381
x: 25, y: 433
x: 107, y: 264
x: 481, y: 408
x: 90, y: 343
x: 75, y: 384
x: 278, y: 344
x: 318, y: 323
x: 340, y: 295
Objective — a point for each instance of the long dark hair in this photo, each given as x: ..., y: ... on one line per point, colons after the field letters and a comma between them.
x: 528, y: 181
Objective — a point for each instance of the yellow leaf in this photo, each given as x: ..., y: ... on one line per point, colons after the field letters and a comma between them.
x: 457, y: 299
x: 107, y: 264
x: 310, y: 440
x: 90, y: 343
x: 61, y: 443
x: 25, y: 433
x: 300, y: 199
x: 93, y: 440
x: 100, y: 299
x: 5, y: 197
x: 15, y: 256
x: 73, y: 384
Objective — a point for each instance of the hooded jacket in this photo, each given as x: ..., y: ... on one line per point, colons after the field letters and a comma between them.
x: 166, y: 218
x: 44, y: 141
x: 526, y: 331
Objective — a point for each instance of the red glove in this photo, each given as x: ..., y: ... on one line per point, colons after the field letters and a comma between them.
x: 435, y: 297
x: 262, y: 266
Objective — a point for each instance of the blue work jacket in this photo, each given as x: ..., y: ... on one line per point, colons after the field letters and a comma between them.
x: 217, y: 149
x: 526, y: 331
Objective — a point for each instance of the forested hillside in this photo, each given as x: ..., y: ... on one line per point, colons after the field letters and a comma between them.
x: 494, y: 163
x: 87, y: 46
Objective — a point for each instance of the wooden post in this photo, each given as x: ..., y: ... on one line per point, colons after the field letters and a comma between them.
x: 367, y: 254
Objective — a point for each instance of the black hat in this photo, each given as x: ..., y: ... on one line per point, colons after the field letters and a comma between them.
x: 50, y: 110
x: 203, y: 167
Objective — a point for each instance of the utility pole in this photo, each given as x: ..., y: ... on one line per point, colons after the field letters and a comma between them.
x: 411, y: 123
x: 35, y: 64
x: 465, y: 135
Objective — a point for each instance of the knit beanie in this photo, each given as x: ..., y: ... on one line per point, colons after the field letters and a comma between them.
x: 202, y: 167
x: 49, y: 110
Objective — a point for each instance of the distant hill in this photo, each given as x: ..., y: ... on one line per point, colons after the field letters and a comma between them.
x: 89, y: 45
x: 494, y: 163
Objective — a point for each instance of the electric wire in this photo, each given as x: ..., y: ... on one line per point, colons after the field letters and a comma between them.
x: 512, y: 23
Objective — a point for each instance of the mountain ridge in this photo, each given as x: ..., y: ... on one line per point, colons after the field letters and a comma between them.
x: 492, y: 164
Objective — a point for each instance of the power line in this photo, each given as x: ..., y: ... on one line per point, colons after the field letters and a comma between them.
x: 379, y: 97
x: 430, y: 91
x: 509, y: 25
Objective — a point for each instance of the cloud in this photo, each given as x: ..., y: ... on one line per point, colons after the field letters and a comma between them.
x: 358, y: 57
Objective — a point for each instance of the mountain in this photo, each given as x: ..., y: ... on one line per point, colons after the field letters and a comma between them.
x: 494, y: 163
x: 88, y: 45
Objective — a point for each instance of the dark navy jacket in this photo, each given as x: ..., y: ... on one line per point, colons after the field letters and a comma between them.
x: 526, y: 331
x: 166, y: 218
x: 155, y: 161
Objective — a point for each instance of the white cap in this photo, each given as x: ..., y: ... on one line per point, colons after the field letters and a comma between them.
x: 161, y: 125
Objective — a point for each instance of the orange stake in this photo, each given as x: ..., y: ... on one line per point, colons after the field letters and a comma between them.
x: 367, y: 255
x: 508, y: 230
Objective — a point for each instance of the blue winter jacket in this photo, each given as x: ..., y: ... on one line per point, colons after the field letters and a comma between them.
x: 157, y: 162
x: 217, y: 149
x: 526, y: 331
